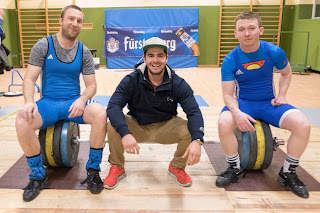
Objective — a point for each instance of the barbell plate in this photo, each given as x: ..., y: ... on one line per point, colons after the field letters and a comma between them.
x: 73, y: 148
x: 245, y: 150
x: 13, y: 93
x: 69, y: 150
x: 57, y: 143
x: 49, y: 144
x: 238, y: 135
x: 253, y: 150
x: 63, y: 146
x: 42, y: 139
x: 268, y: 144
x: 260, y: 145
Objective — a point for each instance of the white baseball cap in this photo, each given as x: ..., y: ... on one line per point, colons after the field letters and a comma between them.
x: 154, y: 42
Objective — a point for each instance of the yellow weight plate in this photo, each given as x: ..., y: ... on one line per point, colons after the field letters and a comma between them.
x: 260, y: 145
x: 49, y: 148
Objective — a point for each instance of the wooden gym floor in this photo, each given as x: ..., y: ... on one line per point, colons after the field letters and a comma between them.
x: 148, y: 187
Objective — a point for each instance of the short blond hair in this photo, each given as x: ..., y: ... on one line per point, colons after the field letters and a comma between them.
x: 63, y: 11
x: 248, y: 15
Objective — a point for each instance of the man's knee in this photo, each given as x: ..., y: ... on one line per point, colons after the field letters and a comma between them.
x: 226, y: 123
x: 95, y: 113
x: 183, y: 131
x: 304, y: 124
x: 22, y: 123
x: 296, y: 122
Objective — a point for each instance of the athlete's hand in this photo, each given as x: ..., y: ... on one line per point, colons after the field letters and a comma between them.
x: 243, y: 121
x: 77, y: 107
x: 193, y: 152
x: 280, y: 100
x: 28, y: 110
x: 130, y: 144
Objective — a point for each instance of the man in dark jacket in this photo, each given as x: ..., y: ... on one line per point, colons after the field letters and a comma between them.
x: 2, y: 34
x: 4, y: 51
x: 152, y: 93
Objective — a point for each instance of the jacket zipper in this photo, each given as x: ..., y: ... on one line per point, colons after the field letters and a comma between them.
x: 154, y: 89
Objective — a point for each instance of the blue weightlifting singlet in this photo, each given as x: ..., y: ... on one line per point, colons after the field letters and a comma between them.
x: 61, y: 80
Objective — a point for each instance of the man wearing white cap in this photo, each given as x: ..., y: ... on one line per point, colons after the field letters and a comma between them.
x: 152, y: 93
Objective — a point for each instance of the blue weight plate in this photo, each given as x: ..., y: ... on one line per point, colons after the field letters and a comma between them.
x: 63, y: 145
x: 69, y: 150
x: 245, y: 150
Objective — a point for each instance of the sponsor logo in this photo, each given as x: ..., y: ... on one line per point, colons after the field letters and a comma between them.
x: 139, y: 32
x: 112, y: 45
x: 253, y: 65
x: 112, y: 32
x: 132, y: 44
x: 239, y: 72
x: 50, y: 57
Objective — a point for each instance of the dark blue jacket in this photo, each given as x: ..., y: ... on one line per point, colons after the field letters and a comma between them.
x: 148, y: 105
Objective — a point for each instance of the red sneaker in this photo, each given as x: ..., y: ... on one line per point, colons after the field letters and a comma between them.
x: 115, y: 174
x: 182, y: 178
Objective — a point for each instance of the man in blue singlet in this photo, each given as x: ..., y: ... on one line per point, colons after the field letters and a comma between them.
x: 248, y: 71
x: 60, y: 59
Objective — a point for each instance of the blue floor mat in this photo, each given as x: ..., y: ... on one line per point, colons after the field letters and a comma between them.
x: 104, y: 100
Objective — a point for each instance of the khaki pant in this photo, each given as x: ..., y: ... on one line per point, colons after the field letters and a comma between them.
x: 172, y: 131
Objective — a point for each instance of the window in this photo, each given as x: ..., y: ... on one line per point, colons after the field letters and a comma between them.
x: 316, y: 9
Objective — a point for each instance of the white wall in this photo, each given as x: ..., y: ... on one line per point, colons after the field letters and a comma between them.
x: 7, y: 4
x: 25, y: 4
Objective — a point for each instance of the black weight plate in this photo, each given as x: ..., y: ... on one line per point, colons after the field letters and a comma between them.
x: 42, y: 139
x: 268, y: 145
x: 57, y: 143
x: 73, y: 148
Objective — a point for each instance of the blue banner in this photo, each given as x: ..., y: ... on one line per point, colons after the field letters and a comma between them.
x: 128, y: 41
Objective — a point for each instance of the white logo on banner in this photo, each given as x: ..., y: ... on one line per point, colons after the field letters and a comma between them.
x: 131, y: 44
x: 112, y: 45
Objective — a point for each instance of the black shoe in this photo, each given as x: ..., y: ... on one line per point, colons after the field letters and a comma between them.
x: 94, y: 182
x: 230, y: 176
x: 295, y: 184
x: 32, y: 190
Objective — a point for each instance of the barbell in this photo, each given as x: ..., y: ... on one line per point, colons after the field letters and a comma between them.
x: 60, y: 145
x: 256, y: 148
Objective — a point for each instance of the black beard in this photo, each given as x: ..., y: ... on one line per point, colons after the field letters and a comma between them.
x: 156, y: 73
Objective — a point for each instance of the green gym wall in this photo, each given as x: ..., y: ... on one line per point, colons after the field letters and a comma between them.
x: 295, y: 18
